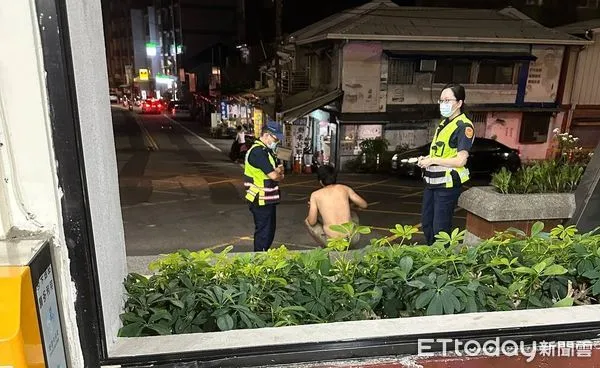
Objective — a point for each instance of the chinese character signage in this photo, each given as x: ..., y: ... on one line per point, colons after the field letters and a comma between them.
x: 224, y: 110
x: 544, y: 72
x: 45, y: 293
x: 258, y: 122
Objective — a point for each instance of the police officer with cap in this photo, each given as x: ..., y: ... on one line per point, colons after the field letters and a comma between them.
x: 261, y: 179
x: 444, y: 168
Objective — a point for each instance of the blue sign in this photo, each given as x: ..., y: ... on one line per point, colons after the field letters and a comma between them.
x: 223, y: 110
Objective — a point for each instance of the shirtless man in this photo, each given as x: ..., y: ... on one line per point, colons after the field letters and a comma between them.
x: 331, y: 206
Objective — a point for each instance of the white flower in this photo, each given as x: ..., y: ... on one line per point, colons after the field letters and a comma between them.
x: 555, y: 131
x: 575, y: 139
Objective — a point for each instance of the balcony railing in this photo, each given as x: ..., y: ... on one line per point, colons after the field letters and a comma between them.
x: 296, y: 81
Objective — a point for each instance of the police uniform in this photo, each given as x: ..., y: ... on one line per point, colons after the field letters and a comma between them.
x: 262, y: 193
x: 443, y: 184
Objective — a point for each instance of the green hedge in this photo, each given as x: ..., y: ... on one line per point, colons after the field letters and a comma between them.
x: 203, y: 291
x: 549, y: 176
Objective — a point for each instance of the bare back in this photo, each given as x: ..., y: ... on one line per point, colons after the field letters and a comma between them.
x: 333, y: 205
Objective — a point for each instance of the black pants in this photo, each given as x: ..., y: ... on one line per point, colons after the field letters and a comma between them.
x: 438, y: 210
x: 264, y: 226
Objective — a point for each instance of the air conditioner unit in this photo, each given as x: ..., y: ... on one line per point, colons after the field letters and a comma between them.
x: 427, y: 66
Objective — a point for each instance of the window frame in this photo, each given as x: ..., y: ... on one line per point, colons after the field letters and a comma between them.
x: 525, y: 124
x: 496, y: 64
x: 411, y: 66
x: 453, y: 62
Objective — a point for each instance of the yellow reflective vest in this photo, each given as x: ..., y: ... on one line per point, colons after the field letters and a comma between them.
x: 440, y: 176
x: 260, y: 189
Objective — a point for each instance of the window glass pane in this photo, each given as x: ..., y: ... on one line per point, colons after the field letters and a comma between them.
x: 487, y: 73
x: 491, y: 72
x: 401, y: 71
x: 534, y: 128
x: 504, y: 74
x: 462, y: 72
x: 443, y: 71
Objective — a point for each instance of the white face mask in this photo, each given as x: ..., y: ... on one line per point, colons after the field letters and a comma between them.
x: 272, y: 146
x: 446, y: 109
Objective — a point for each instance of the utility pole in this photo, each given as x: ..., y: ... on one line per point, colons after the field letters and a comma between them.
x: 278, y: 16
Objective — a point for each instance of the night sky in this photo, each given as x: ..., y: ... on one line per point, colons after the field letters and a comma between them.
x: 300, y: 13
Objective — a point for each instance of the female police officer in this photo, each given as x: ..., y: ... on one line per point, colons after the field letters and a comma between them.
x: 261, y: 179
x: 444, y: 168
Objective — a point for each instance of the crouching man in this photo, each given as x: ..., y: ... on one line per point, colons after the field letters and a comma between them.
x: 330, y: 205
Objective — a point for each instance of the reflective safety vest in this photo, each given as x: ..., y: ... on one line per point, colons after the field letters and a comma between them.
x: 257, y: 183
x: 441, y: 176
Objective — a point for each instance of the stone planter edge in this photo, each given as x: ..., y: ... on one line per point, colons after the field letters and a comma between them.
x: 492, y: 206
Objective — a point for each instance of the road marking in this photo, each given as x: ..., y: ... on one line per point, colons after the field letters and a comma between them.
x: 393, y: 212
x: 371, y: 184
x: 194, y: 134
x: 150, y: 204
x: 168, y: 192
x: 151, y: 142
x: 402, y: 195
x: 412, y: 194
x: 225, y: 181
x: 299, y: 184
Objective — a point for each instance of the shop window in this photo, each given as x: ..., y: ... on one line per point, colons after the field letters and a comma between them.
x: 495, y: 72
x: 453, y: 71
x: 534, y: 127
x: 401, y: 71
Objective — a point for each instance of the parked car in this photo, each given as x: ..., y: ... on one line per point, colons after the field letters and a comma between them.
x: 152, y: 107
x: 114, y: 99
x: 179, y: 110
x: 487, y: 156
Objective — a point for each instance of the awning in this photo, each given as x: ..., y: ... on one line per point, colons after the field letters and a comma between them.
x: 512, y: 56
x: 264, y: 92
x: 303, y: 103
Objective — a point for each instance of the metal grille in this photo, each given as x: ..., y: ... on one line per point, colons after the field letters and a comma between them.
x: 401, y: 71
x: 479, y: 123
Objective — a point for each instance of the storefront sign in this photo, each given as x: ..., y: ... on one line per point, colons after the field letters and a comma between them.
x: 45, y: 293
x: 258, y: 122
x: 224, y: 110
x: 144, y: 74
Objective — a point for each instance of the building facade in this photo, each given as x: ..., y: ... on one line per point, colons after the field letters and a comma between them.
x: 581, y: 96
x: 120, y: 17
x: 391, y: 63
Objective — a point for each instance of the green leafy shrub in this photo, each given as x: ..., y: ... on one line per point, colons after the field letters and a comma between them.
x: 552, y: 176
x: 205, y: 291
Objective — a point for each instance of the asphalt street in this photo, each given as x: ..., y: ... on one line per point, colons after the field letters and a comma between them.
x: 180, y: 190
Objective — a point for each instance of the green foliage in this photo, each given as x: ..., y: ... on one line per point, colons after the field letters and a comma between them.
x: 552, y: 176
x: 205, y: 291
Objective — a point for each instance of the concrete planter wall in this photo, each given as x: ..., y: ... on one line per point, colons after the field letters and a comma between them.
x: 489, y: 211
